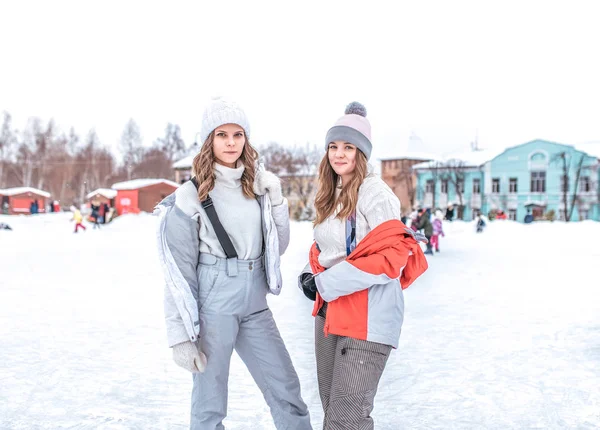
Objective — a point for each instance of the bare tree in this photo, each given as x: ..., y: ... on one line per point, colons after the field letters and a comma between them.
x: 172, y: 144
x: 44, y: 145
x: 406, y: 178
x: 131, y: 146
x: 565, y: 160
x: 276, y: 158
x: 155, y: 163
x: 7, y: 141
x: 454, y: 172
x: 26, y: 156
x: 297, y: 167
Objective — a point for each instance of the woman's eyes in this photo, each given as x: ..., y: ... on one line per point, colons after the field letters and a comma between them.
x: 235, y: 135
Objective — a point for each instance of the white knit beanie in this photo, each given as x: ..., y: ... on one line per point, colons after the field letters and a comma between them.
x: 221, y: 111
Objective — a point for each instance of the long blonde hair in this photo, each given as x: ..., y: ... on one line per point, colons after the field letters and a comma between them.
x: 325, y: 201
x: 204, y: 171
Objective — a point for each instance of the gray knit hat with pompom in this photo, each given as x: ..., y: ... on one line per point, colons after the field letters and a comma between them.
x: 354, y: 128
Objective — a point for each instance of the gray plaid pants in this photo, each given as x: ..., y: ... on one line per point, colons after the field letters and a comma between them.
x: 348, y: 371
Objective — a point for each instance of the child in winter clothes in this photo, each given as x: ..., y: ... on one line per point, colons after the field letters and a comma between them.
x: 437, y: 231
x: 78, y: 218
x: 480, y: 223
x: 354, y: 274
x: 425, y: 225
x: 215, y: 298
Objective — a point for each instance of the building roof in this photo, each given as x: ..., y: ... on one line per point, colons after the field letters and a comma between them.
x: 468, y: 159
x: 135, y: 184
x: 425, y: 156
x: 23, y: 190
x: 106, y: 192
x: 184, y: 163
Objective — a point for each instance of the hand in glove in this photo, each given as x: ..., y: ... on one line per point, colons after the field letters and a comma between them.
x: 188, y: 356
x: 267, y: 182
x: 417, y: 236
x: 309, y: 287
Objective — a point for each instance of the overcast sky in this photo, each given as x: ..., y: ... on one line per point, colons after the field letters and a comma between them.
x: 510, y: 71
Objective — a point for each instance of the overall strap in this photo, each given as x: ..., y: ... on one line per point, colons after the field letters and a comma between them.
x: 222, y: 235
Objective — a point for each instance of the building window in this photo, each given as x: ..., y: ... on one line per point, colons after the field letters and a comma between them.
x: 585, y: 185
x: 444, y: 186
x: 564, y: 183
x: 476, y: 186
x: 461, y: 185
x: 538, y: 182
x: 583, y: 215
x: 429, y: 185
x: 512, y: 214
x: 496, y: 185
x: 512, y: 185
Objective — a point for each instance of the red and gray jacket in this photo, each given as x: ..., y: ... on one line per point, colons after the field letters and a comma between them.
x: 364, y: 292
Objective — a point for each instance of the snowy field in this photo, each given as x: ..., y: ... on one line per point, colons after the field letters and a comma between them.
x: 502, y: 332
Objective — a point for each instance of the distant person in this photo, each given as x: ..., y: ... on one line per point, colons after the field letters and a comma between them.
x: 480, y: 223
x: 528, y: 218
x: 438, y: 231
x: 424, y: 224
x: 106, y: 210
x: 4, y: 226
x: 95, y: 205
x: 449, y: 212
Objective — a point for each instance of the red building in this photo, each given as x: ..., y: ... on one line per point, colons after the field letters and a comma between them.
x: 14, y: 201
x: 141, y: 195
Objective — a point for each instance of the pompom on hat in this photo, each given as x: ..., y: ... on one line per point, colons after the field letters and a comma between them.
x: 222, y: 111
x: 354, y: 128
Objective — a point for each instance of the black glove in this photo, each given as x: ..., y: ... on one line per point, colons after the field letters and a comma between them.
x: 307, y: 280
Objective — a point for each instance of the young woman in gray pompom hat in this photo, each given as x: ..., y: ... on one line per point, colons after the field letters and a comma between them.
x: 215, y: 298
x: 362, y: 259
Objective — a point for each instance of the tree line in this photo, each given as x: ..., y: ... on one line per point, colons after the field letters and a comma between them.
x: 69, y: 165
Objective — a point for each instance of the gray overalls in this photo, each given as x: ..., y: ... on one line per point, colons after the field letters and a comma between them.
x: 234, y: 314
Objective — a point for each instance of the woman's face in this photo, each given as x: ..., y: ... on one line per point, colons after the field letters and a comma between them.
x: 342, y: 157
x: 228, y: 144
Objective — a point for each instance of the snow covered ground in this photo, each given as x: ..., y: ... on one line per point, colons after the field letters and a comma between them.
x: 503, y: 332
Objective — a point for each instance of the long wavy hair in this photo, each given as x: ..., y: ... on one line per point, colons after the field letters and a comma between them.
x: 204, y: 171
x: 325, y: 201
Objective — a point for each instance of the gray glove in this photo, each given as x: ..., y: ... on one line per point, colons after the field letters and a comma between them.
x: 266, y: 182
x: 188, y: 356
x: 416, y: 235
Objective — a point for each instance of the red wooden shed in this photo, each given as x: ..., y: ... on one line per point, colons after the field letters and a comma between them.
x: 18, y: 200
x: 141, y: 195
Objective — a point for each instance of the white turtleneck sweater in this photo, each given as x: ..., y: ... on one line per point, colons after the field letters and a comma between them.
x: 240, y: 216
x: 376, y: 204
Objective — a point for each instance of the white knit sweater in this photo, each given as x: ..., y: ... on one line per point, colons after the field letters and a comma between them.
x: 240, y: 216
x: 377, y: 203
